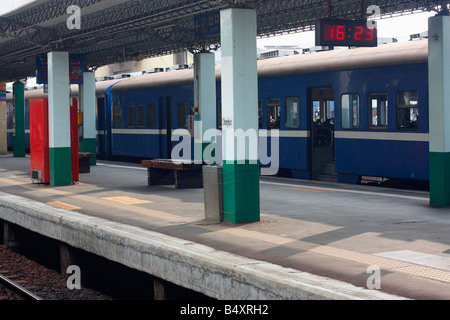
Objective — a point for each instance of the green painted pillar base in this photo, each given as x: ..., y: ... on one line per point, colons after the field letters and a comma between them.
x: 19, y: 146
x: 60, y: 166
x: 19, y: 106
x: 440, y: 179
x: 90, y: 145
x: 241, y: 192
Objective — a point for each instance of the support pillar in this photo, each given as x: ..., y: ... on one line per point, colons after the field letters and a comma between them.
x: 9, y: 236
x: 19, y: 120
x: 66, y: 258
x: 59, y: 119
x: 159, y: 290
x: 205, y: 100
x: 241, y: 196
x: 439, y: 109
x: 3, y: 121
x: 88, y: 104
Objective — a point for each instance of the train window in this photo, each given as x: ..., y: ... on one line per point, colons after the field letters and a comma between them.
x: 130, y: 116
x: 117, y: 117
x: 408, y: 110
x: 273, y: 113
x: 151, y: 116
x: 350, y: 111
x: 292, y: 119
x: 378, y: 111
x: 141, y: 116
x: 181, y: 115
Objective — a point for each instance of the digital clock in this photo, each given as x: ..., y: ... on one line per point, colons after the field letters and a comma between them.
x: 348, y: 33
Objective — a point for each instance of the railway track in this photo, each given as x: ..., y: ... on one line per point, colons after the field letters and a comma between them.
x: 17, y: 289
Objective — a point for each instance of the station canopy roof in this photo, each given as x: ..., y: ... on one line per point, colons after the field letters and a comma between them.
x: 115, y: 31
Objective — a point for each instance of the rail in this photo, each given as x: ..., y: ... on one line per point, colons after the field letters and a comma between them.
x: 18, y: 289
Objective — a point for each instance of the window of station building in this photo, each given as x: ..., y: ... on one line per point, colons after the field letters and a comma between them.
x: 378, y: 111
x: 182, y: 115
x: 350, y: 111
x: 141, y: 116
x: 408, y: 110
x: 117, y: 117
x: 151, y: 116
x: 273, y: 113
x: 292, y: 107
x: 130, y: 116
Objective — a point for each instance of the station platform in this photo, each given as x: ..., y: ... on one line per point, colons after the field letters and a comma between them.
x: 324, y: 237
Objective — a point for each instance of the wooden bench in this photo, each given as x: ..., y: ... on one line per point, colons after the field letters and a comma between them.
x: 84, y: 161
x: 169, y: 172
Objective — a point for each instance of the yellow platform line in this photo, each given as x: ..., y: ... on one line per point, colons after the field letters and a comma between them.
x: 63, y: 205
x: 138, y: 210
x: 385, y: 263
x: 127, y: 200
x: 13, y: 182
x: 353, y: 256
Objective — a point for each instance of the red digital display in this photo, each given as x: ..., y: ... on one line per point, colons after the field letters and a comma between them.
x: 345, y: 33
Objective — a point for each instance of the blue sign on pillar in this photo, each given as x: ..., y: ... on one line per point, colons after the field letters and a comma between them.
x: 75, y: 70
x: 207, y: 24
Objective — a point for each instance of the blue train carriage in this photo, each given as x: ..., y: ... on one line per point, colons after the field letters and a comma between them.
x: 345, y: 113
x: 382, y: 123
x: 350, y: 113
x: 103, y: 89
x: 146, y: 110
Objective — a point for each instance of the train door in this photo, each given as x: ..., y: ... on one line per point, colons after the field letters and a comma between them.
x: 165, y: 117
x: 101, y: 126
x: 322, y: 134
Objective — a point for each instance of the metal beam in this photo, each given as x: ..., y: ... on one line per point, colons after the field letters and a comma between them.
x: 156, y: 27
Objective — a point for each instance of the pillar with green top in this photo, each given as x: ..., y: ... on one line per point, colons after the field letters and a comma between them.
x: 439, y: 109
x: 59, y: 119
x: 241, y: 194
x: 87, y: 103
x: 19, y: 120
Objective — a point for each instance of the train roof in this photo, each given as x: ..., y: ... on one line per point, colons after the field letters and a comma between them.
x: 102, y: 86
x: 40, y: 94
x: 383, y: 55
x: 175, y: 77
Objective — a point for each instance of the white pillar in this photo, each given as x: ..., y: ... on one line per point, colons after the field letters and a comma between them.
x: 439, y: 109
x: 59, y: 118
x: 240, y: 115
x: 88, y: 108
x: 205, y: 100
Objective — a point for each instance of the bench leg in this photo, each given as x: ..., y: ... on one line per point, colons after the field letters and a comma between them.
x: 188, y: 179
x: 159, y: 177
